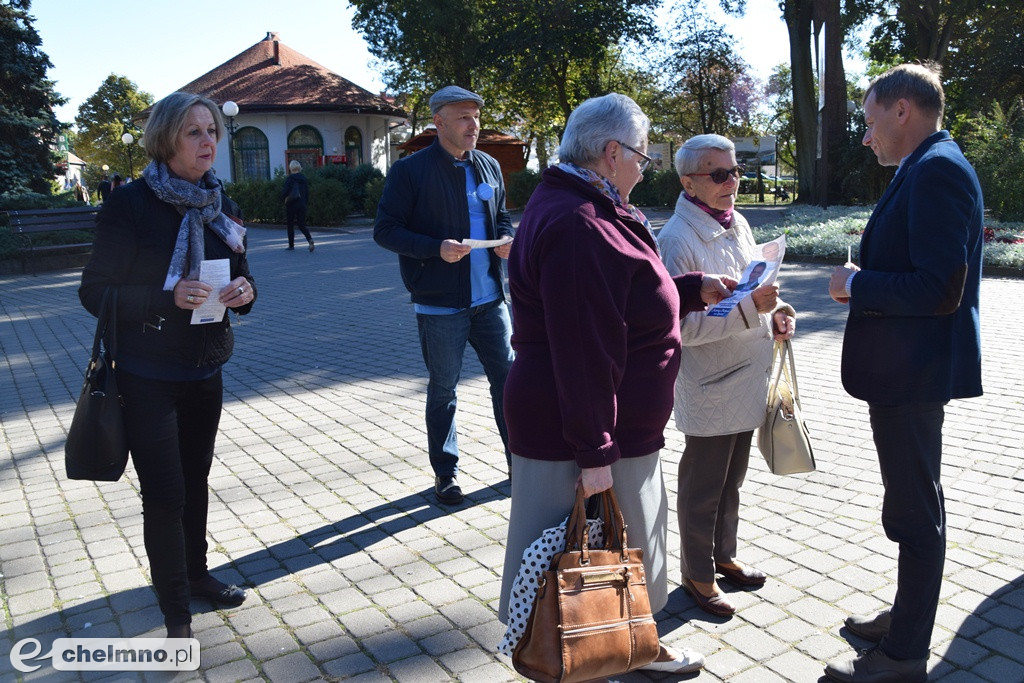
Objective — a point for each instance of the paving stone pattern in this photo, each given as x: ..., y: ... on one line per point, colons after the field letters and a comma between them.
x: 322, y: 505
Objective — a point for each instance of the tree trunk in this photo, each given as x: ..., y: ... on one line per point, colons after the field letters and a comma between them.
x: 834, y: 115
x: 798, y: 14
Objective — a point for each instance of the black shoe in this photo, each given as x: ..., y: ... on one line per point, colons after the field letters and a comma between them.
x: 289, y: 248
x: 217, y: 592
x: 874, y: 666
x: 872, y: 627
x: 179, y: 631
x: 311, y: 245
x: 447, y: 489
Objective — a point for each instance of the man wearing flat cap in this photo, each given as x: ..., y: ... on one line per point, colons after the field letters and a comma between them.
x: 432, y: 201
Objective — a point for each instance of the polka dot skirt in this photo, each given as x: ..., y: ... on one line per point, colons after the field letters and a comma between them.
x: 536, y: 561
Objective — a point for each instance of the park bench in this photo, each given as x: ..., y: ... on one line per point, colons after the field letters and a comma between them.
x: 30, y: 222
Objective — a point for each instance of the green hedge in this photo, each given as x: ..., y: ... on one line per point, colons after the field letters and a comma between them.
x: 334, y: 193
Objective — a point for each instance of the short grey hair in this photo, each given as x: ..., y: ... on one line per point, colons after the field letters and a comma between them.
x: 294, y: 166
x: 689, y: 155
x: 598, y: 121
x: 168, y: 118
x: 919, y: 83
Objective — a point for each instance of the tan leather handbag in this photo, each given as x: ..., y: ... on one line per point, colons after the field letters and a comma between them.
x: 591, y: 617
x: 783, y: 438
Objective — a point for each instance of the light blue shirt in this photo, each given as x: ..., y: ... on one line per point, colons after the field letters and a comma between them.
x: 484, y: 286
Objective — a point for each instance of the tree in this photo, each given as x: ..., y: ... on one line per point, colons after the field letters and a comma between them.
x: 537, y: 59
x: 28, y: 126
x: 104, y: 118
x: 707, y: 86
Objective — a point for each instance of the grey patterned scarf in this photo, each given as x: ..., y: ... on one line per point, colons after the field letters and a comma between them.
x: 199, y: 205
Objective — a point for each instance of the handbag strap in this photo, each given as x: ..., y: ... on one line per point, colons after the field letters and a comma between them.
x: 577, y: 536
x: 782, y: 351
x: 106, y: 326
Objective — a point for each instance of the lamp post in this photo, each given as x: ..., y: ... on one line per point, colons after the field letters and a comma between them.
x: 230, y: 109
x: 128, y: 139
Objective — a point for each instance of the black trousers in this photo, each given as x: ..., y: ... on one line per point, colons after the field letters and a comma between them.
x: 908, y: 439
x: 172, y: 427
x: 296, y: 213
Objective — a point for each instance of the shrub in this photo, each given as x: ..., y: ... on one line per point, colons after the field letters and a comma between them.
x: 374, y: 191
x: 329, y: 202
x: 995, y: 146
x: 658, y: 188
x: 260, y: 200
x: 521, y: 185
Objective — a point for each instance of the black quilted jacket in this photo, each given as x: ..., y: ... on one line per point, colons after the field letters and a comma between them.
x: 135, y: 235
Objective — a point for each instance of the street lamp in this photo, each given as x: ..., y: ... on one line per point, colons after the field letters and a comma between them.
x: 128, y: 139
x: 230, y: 109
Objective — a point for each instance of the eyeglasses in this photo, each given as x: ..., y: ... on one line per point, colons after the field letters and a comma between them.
x: 720, y: 175
x: 646, y: 160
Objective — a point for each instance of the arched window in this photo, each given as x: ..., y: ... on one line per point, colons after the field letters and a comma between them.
x: 251, y: 154
x: 353, y: 147
x: 305, y: 145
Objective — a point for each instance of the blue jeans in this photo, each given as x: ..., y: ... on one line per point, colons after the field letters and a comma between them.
x: 443, y: 338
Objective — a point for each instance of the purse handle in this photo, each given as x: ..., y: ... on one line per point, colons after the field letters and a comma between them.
x: 106, y: 328
x: 782, y: 350
x: 577, y: 537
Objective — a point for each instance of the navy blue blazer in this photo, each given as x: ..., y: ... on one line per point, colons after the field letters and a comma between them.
x: 913, y: 332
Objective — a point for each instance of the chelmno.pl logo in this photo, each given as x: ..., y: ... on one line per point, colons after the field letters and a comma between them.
x: 109, y: 654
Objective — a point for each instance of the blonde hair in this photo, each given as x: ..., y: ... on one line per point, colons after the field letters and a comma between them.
x: 294, y: 166
x: 168, y: 118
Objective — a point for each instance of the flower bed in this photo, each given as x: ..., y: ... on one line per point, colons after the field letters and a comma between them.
x: 826, y: 233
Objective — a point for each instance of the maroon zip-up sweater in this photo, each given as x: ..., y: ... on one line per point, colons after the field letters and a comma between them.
x: 595, y: 320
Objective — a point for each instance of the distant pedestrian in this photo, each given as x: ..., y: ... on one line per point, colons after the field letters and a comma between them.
x: 912, y: 343
x: 81, y: 194
x: 432, y: 201
x: 103, y: 189
x: 295, y: 194
x: 116, y: 182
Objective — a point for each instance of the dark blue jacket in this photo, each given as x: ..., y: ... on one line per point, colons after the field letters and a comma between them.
x: 913, y: 333
x: 300, y: 180
x: 424, y: 203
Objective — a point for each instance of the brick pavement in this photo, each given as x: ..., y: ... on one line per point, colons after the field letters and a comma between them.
x: 321, y: 499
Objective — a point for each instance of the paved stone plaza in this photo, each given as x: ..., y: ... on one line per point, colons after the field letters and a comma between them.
x: 322, y: 504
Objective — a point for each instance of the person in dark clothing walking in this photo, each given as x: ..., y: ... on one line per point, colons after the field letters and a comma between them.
x: 295, y: 194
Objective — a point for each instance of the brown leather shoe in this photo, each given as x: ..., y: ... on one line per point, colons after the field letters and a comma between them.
x: 748, y: 576
x: 718, y: 605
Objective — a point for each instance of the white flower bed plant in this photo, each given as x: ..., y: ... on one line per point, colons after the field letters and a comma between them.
x: 826, y: 233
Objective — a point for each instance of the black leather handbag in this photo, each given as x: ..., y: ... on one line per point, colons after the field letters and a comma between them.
x: 97, y: 444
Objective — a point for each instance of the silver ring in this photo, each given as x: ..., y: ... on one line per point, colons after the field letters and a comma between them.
x: 191, y: 299
x: 241, y: 290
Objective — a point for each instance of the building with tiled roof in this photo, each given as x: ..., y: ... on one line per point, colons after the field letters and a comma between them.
x: 290, y: 107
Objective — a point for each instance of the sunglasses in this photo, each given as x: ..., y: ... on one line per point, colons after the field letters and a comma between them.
x: 645, y: 160
x: 720, y: 175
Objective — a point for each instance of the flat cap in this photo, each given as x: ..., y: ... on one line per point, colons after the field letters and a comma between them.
x: 453, y: 93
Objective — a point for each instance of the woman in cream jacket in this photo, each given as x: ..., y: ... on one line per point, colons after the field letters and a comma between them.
x: 722, y: 386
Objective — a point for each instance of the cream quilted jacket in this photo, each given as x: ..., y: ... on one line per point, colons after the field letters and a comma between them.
x: 722, y: 385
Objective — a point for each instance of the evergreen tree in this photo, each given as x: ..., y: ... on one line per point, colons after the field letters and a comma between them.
x: 28, y: 125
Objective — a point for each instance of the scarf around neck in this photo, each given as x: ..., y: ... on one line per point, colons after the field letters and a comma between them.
x: 608, y: 189
x: 199, y: 205
x: 723, y: 216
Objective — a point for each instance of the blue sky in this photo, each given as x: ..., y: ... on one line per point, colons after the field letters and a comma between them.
x: 161, y: 46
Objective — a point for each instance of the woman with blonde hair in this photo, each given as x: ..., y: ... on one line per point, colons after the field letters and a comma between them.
x: 296, y: 198
x: 152, y: 236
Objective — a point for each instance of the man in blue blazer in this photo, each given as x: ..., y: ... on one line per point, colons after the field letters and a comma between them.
x: 912, y: 343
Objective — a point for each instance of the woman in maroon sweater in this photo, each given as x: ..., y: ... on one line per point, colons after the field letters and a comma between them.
x: 596, y: 332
